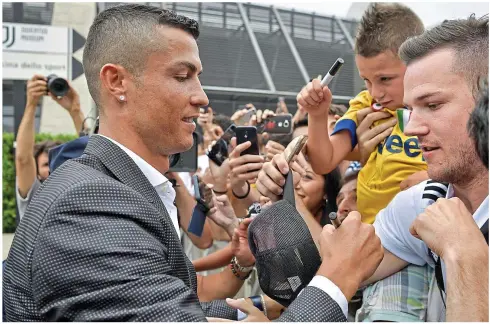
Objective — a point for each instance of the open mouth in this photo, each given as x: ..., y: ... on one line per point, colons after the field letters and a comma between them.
x: 189, y: 120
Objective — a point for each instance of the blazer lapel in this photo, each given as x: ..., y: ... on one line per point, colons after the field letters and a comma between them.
x: 125, y: 170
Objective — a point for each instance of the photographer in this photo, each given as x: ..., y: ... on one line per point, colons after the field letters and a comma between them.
x: 32, y: 169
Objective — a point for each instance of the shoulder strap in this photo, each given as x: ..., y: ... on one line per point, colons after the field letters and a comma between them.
x: 289, y: 189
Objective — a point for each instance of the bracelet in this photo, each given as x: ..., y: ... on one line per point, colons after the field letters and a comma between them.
x: 245, y: 195
x: 236, y: 274
x: 263, y: 305
x: 220, y: 192
x: 257, y: 301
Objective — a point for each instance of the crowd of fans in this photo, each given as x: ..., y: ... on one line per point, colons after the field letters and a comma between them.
x: 404, y: 168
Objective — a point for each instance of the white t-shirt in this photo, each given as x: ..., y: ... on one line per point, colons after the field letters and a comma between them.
x: 393, y: 223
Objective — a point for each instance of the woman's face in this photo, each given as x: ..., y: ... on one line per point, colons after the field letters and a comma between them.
x: 311, y: 189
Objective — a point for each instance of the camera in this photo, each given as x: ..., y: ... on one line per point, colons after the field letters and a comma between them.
x: 57, y: 86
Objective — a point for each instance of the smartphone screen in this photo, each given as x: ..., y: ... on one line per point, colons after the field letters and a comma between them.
x: 219, y: 151
x: 248, y: 133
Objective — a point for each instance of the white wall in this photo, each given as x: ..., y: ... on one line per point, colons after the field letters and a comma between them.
x: 79, y: 16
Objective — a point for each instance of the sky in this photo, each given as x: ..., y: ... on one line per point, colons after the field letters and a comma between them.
x: 431, y: 13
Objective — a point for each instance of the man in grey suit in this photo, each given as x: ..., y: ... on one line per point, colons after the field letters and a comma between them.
x: 99, y: 241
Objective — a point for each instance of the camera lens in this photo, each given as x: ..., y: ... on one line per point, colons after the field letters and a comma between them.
x: 57, y: 86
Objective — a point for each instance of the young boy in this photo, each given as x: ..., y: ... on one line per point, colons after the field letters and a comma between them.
x: 383, y: 28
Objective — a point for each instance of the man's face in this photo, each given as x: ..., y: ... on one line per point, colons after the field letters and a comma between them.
x: 383, y: 76
x: 441, y: 103
x: 42, y: 166
x: 347, y: 199
x: 303, y: 130
x: 168, y: 94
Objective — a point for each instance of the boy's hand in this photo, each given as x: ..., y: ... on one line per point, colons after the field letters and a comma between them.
x: 315, y: 99
x: 369, y: 137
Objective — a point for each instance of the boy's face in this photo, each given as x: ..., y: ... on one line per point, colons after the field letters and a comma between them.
x: 383, y: 75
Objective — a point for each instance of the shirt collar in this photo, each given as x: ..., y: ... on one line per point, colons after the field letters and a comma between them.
x: 481, y: 214
x: 153, y: 175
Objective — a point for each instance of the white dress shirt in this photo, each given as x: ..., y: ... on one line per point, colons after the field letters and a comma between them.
x: 167, y: 194
x: 163, y: 187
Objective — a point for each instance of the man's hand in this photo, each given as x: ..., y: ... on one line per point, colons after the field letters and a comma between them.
x: 270, y: 180
x: 37, y: 87
x: 448, y: 229
x: 350, y: 253
x: 315, y: 99
x: 235, y: 118
x: 243, y: 168
x: 272, y: 148
x: 367, y: 137
x: 205, y: 119
x: 223, y: 214
x: 245, y: 305
x: 219, y: 174
x: 260, y: 116
x: 240, y: 246
x: 70, y: 101
x: 414, y: 179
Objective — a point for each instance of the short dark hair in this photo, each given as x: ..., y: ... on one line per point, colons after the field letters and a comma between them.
x: 336, y: 109
x: 44, y: 147
x: 301, y: 123
x: 283, y: 139
x: 222, y: 121
x: 467, y: 37
x: 478, y: 123
x: 385, y: 26
x: 349, y: 177
x: 123, y: 35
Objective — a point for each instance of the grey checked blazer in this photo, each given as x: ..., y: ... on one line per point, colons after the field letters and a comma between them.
x: 97, y: 244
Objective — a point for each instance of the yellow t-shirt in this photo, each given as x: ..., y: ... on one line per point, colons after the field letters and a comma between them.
x: 395, y: 158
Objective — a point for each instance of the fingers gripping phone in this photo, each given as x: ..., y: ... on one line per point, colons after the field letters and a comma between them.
x: 218, y: 153
x: 248, y: 133
x: 246, y: 118
x: 280, y: 124
x: 204, y: 199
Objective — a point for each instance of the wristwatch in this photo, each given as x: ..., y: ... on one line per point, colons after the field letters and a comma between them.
x: 239, y: 267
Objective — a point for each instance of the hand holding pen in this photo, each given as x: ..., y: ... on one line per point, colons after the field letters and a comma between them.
x: 315, y: 98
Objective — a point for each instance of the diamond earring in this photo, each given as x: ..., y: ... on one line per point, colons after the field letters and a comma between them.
x: 122, y: 98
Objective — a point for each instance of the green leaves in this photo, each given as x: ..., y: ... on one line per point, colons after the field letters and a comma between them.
x: 9, y: 203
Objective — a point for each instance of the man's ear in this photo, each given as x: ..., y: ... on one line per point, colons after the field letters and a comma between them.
x: 336, y: 117
x: 114, y: 79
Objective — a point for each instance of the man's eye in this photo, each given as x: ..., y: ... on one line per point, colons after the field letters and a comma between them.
x: 181, y: 78
x: 384, y: 79
x: 433, y: 106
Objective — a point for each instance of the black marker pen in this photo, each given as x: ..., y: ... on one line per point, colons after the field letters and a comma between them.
x: 331, y: 73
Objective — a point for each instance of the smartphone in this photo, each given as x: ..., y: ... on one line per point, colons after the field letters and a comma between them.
x: 295, y: 147
x: 280, y: 124
x: 248, y: 133
x: 185, y: 161
x: 218, y: 153
x: 203, y: 197
x: 246, y: 118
